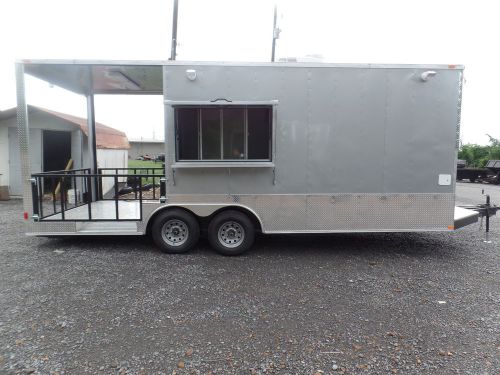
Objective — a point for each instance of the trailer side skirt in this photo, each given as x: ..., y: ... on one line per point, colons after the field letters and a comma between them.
x: 294, y: 213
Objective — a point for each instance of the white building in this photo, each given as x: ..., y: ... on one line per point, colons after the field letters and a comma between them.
x: 55, y: 138
x: 146, y: 146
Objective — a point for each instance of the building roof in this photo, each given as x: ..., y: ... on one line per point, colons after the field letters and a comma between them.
x: 106, y: 136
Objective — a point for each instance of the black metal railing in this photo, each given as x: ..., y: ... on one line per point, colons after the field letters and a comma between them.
x: 49, y: 188
x: 55, y: 193
x: 137, y: 179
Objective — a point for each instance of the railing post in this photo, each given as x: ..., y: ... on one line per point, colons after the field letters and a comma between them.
x: 62, y: 197
x: 99, y: 184
x: 135, y: 183
x: 140, y: 198
x: 163, y: 190
x: 75, y: 189
x: 53, y: 190
x: 89, y: 196
x: 116, y: 196
x: 34, y: 197
x: 39, y: 182
x: 154, y: 185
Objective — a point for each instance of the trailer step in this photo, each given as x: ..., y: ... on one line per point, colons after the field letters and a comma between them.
x: 100, y: 228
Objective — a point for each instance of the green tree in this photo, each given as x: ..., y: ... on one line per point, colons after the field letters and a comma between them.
x: 477, y: 155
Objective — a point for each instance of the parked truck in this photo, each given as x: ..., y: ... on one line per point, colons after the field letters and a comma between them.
x: 493, y: 176
x: 490, y: 173
x: 468, y: 173
x: 264, y: 147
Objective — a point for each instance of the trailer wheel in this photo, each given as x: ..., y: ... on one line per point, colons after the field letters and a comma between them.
x: 175, y: 231
x: 231, y: 233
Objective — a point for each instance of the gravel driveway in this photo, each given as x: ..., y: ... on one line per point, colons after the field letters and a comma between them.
x: 354, y: 304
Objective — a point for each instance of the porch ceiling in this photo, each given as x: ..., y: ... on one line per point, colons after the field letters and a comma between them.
x: 99, y: 77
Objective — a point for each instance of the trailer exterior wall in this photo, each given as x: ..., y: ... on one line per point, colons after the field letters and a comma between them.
x: 355, y: 148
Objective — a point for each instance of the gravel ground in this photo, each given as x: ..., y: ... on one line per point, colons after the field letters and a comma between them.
x: 370, y: 303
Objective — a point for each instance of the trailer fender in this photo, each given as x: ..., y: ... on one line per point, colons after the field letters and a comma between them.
x: 203, y: 210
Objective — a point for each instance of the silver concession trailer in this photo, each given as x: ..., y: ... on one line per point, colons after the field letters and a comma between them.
x: 267, y: 147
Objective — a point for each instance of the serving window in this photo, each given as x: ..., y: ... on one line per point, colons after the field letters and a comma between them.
x: 223, y: 133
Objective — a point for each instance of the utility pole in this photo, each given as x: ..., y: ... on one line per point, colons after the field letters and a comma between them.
x: 276, y: 32
x: 173, y: 49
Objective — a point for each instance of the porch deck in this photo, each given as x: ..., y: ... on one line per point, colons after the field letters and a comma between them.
x: 101, y: 210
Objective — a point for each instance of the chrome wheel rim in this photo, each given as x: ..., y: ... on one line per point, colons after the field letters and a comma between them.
x: 231, y: 234
x: 175, y: 232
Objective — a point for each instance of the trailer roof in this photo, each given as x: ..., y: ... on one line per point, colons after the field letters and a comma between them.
x: 146, y: 77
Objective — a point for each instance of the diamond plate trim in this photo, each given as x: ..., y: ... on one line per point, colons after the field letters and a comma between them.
x: 339, y: 212
x: 54, y: 227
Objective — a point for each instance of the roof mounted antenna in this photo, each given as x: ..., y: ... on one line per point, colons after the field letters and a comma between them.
x: 173, y: 48
x: 276, y: 32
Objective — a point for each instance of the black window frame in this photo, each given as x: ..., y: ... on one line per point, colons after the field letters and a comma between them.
x: 221, y: 108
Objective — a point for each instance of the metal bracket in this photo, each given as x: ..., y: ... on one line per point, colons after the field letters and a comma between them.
x: 221, y: 99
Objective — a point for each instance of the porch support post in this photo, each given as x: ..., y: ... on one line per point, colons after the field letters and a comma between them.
x: 92, y: 145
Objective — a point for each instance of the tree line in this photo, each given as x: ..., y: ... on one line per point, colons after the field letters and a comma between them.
x: 477, y: 156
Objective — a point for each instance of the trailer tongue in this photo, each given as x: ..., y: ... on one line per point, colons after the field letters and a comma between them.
x: 464, y: 217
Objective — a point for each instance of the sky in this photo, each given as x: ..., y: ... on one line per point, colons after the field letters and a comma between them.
x: 355, y: 31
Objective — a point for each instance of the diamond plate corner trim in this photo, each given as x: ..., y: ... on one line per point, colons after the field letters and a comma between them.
x: 459, y: 108
x: 23, y: 135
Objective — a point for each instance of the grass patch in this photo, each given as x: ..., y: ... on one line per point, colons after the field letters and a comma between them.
x: 146, y: 164
x: 143, y: 164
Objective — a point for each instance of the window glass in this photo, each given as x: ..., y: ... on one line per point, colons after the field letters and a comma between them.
x: 224, y: 133
x: 210, y: 133
x: 234, y: 133
x: 259, y: 133
x: 187, y: 133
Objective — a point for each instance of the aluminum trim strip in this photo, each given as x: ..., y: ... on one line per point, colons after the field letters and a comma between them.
x: 238, y: 64
x: 220, y: 103
x: 224, y: 164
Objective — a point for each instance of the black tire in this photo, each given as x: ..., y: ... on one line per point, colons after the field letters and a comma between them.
x: 231, y: 233
x: 472, y: 179
x: 175, y: 231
